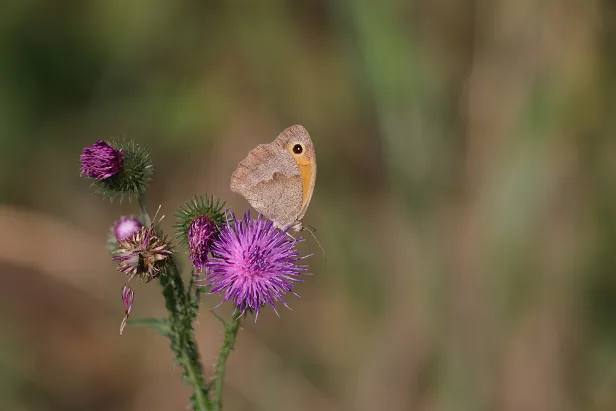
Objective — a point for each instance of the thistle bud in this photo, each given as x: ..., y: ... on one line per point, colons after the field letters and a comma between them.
x: 197, y: 225
x: 101, y: 161
x: 117, y: 169
x: 200, y: 235
x: 126, y: 227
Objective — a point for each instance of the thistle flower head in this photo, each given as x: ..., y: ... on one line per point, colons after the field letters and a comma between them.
x: 126, y: 227
x: 142, y: 255
x: 128, y: 298
x: 253, y: 264
x: 101, y: 161
x: 200, y: 235
x: 117, y: 169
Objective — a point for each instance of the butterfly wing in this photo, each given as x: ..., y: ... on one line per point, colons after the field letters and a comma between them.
x: 309, y: 178
x: 271, y: 181
x: 306, y: 161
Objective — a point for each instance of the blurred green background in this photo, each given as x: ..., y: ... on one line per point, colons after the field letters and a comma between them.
x: 465, y: 198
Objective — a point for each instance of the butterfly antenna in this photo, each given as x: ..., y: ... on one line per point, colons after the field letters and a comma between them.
x: 312, y: 230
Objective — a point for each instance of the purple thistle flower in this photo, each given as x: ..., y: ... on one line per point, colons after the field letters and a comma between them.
x: 254, y: 264
x: 101, y: 161
x: 126, y: 227
x: 200, y: 235
x: 143, y: 255
x: 128, y: 298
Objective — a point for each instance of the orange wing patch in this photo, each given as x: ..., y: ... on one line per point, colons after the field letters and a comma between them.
x: 305, y: 167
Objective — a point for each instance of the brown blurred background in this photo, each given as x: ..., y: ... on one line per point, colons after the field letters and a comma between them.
x: 465, y: 198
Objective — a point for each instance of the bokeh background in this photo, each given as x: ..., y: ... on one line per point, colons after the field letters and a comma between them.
x: 465, y: 198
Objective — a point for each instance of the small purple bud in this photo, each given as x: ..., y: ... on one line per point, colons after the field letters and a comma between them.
x: 128, y: 298
x: 200, y: 235
x: 126, y: 227
x: 101, y: 161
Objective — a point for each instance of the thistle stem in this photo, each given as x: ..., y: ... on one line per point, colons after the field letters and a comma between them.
x: 182, y: 335
x: 183, y: 342
x: 144, y: 210
x: 194, y: 376
x: 221, y: 365
x: 191, y: 284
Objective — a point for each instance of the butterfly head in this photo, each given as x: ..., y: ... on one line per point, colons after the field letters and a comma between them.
x: 297, y: 142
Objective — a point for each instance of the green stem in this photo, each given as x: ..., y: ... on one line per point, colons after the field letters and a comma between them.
x: 181, y: 316
x: 193, y: 295
x: 191, y: 284
x: 221, y: 365
x: 194, y: 375
x: 183, y: 342
x: 144, y: 210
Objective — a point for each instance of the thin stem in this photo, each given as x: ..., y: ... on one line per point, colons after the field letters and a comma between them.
x: 144, y: 210
x: 221, y: 365
x: 193, y: 294
x: 195, y: 378
x: 191, y: 284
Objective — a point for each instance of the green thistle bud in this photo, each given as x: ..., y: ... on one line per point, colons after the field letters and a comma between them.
x: 117, y: 168
x: 206, y: 206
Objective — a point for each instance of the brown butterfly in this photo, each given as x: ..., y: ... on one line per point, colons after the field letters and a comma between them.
x: 278, y: 178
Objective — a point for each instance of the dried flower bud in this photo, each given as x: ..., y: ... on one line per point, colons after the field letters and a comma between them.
x: 142, y: 255
x: 128, y: 298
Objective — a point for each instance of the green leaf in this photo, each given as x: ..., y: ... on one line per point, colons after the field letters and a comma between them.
x: 161, y: 325
x: 219, y: 318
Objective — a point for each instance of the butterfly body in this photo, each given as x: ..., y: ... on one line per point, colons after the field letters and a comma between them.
x: 278, y: 178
